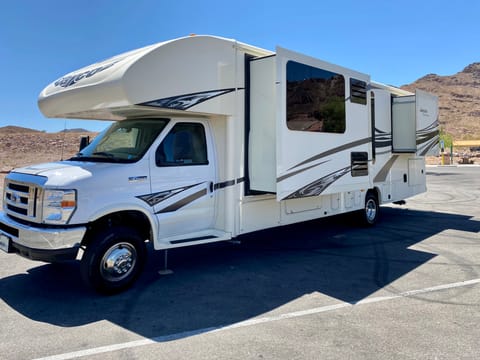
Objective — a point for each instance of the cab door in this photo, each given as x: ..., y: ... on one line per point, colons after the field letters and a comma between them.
x: 182, y: 178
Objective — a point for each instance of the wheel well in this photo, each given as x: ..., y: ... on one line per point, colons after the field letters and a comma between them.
x: 376, y: 192
x: 134, y: 219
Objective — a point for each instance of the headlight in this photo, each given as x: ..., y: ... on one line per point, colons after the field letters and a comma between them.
x: 58, y: 206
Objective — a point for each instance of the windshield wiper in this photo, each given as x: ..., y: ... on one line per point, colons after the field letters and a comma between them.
x: 97, y: 159
x: 103, y: 153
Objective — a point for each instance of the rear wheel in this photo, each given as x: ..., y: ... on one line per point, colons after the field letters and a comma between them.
x: 370, y: 212
x: 113, y: 259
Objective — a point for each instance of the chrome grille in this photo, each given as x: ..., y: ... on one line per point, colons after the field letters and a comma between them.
x: 21, y: 200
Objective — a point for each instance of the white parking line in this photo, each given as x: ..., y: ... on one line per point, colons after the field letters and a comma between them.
x: 251, y: 322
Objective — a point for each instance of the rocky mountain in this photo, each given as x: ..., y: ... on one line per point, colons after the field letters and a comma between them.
x: 459, y: 100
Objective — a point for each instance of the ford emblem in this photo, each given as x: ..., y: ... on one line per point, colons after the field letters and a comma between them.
x: 15, y: 197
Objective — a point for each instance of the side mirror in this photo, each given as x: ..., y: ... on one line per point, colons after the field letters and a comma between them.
x: 84, y: 141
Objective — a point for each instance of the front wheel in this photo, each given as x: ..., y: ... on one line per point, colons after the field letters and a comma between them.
x: 370, y: 212
x: 113, y: 259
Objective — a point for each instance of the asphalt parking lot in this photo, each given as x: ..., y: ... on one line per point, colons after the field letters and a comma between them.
x: 408, y: 288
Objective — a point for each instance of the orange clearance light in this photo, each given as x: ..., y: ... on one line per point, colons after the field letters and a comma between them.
x: 68, y: 204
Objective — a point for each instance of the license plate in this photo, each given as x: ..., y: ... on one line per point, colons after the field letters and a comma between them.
x: 4, y: 243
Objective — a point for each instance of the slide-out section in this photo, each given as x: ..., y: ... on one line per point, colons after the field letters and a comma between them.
x: 309, y: 127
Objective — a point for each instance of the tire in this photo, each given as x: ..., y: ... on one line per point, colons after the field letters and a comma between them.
x: 113, y: 260
x: 371, y: 210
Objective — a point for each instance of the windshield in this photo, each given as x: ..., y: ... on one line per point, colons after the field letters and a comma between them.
x: 125, y: 141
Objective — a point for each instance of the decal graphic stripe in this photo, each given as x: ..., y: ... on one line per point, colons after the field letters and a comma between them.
x: 321, y: 155
x: 318, y: 186
x: 428, y: 146
x: 432, y: 126
x: 156, y: 198
x: 380, y: 131
x: 384, y: 152
x: 186, y: 101
x: 286, y: 176
x: 382, y: 144
x: 185, y: 201
x: 424, y: 138
x: 224, y: 184
x: 427, y: 138
x: 382, y: 139
x: 333, y: 151
x: 382, y: 174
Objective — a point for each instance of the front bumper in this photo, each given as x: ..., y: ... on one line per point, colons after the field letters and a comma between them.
x: 44, y: 244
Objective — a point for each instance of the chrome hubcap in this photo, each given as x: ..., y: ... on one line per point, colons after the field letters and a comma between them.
x: 370, y: 210
x: 118, y: 262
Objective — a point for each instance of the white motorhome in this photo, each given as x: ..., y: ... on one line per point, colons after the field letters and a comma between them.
x: 211, y: 139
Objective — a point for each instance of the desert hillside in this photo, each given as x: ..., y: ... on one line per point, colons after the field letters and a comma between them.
x: 459, y: 100
x: 20, y: 146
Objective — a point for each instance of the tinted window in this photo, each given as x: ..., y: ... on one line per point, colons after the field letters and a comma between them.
x: 185, y: 144
x: 315, y: 99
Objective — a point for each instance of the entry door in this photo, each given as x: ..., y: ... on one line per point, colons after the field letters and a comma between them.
x: 182, y: 178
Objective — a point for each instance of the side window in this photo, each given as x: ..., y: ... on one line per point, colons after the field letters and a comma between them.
x: 315, y: 99
x: 184, y: 145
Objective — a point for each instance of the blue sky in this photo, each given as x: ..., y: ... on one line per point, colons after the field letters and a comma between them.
x: 396, y: 42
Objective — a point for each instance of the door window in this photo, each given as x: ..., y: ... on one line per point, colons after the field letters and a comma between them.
x: 184, y: 145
